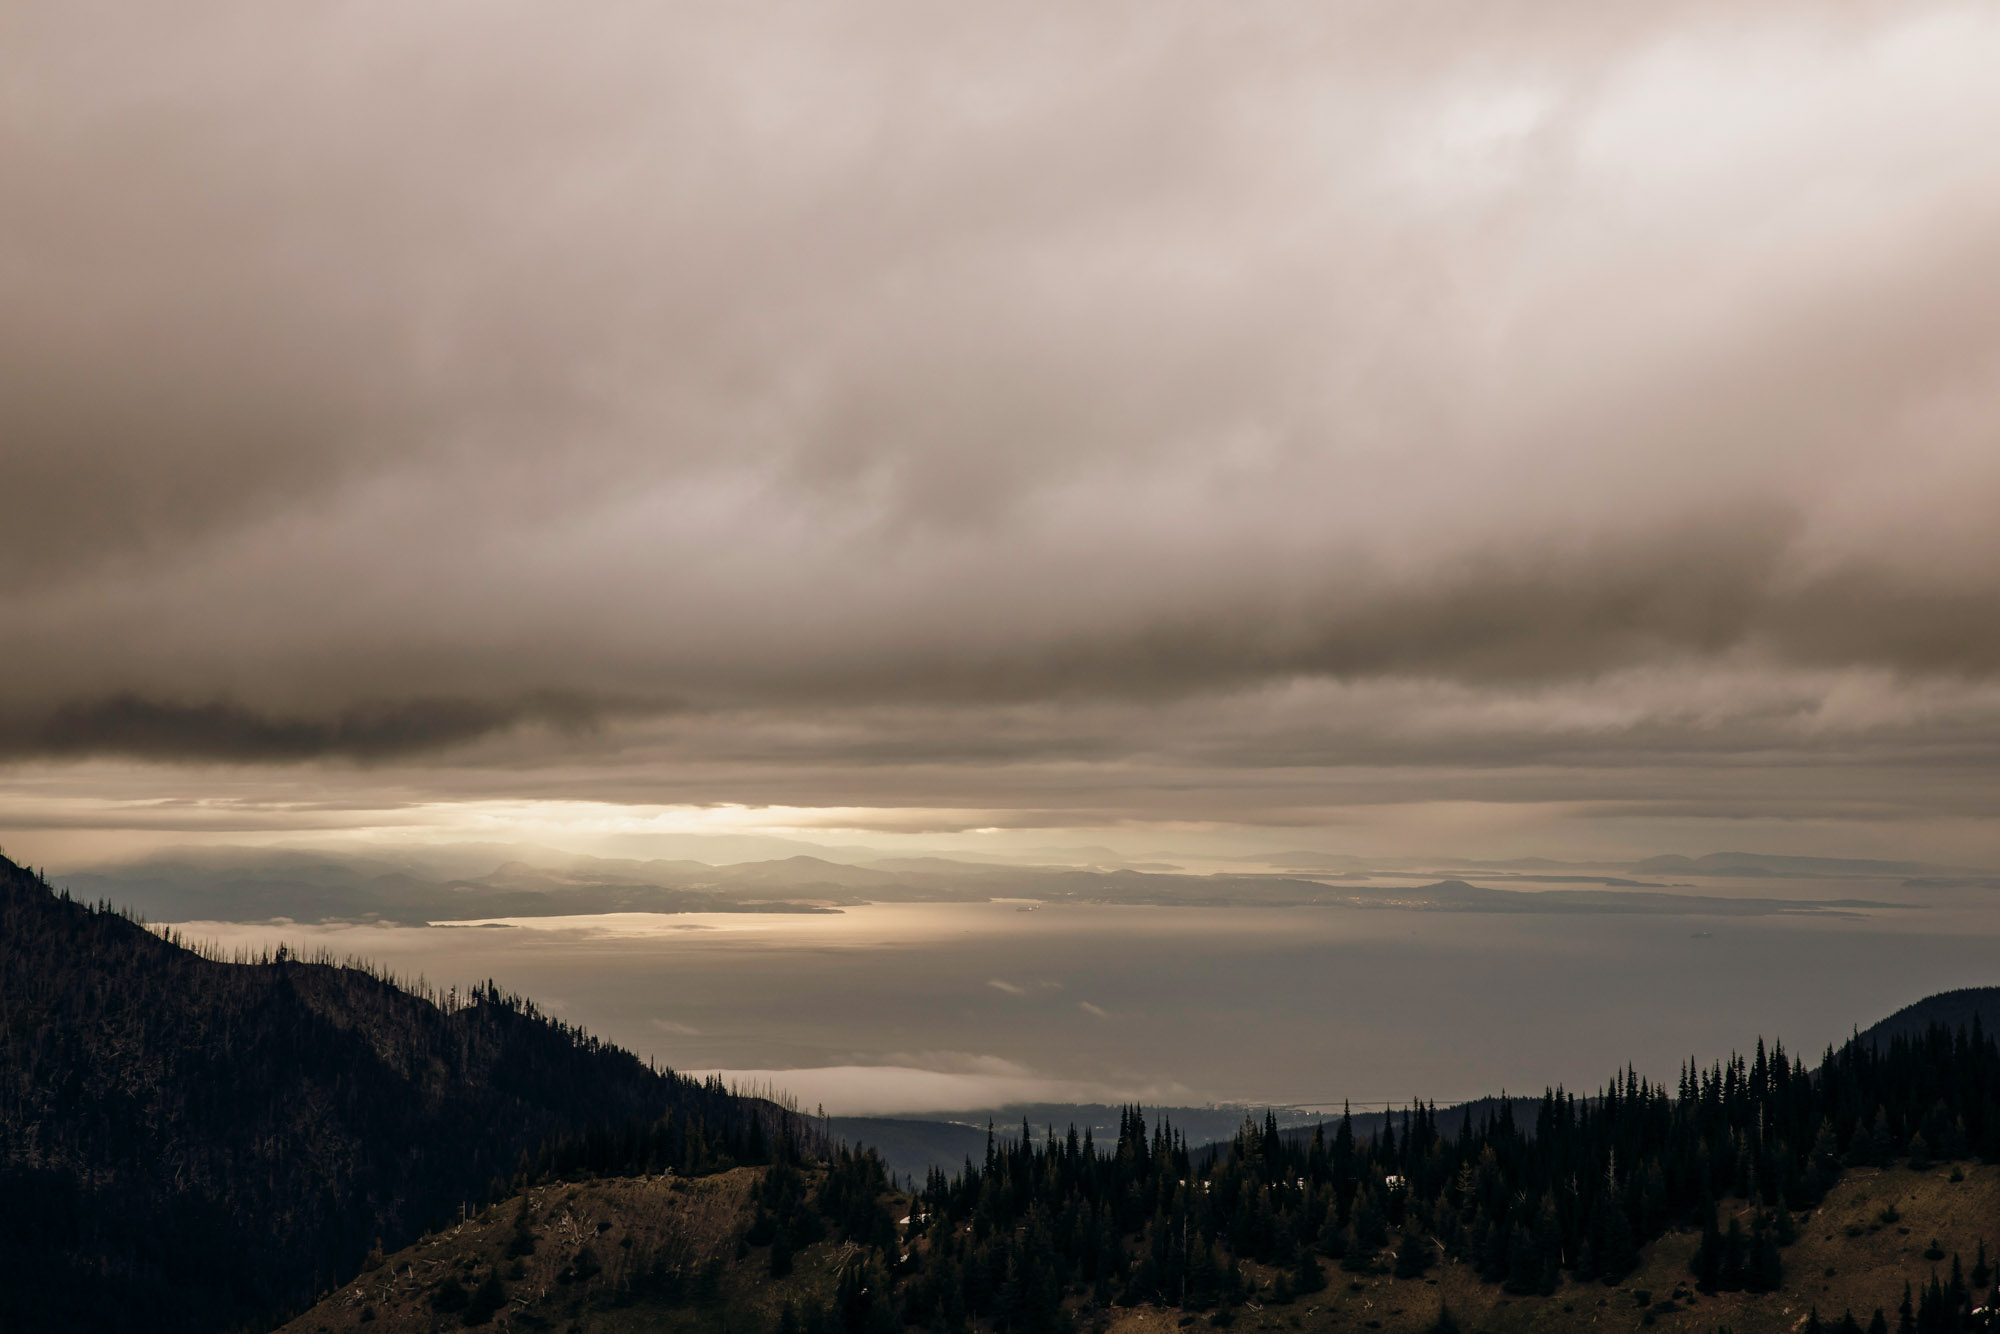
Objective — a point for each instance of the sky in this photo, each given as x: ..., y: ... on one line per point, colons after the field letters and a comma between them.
x: 1552, y: 428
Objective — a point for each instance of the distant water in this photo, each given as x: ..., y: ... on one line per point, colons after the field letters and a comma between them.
x: 910, y: 1006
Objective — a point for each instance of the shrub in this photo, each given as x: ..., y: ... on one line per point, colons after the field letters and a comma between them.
x: 450, y: 1295
x: 485, y: 1302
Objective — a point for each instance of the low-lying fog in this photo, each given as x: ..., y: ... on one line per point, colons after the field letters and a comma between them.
x: 902, y: 1007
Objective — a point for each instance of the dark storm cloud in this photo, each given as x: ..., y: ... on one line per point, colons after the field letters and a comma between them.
x: 939, y: 402
x: 219, y: 731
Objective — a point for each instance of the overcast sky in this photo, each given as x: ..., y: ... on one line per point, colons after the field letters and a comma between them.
x: 1515, y: 427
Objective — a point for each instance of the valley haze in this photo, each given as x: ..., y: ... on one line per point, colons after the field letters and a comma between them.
x: 871, y: 985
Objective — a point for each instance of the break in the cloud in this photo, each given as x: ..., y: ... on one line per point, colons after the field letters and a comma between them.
x: 1058, y: 415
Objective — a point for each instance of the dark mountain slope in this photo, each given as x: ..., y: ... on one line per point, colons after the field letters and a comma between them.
x: 213, y: 1143
x: 1950, y: 1009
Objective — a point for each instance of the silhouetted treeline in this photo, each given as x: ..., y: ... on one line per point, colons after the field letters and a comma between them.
x: 214, y: 1143
x: 1570, y: 1197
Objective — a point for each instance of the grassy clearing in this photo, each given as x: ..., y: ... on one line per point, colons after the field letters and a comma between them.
x: 1853, y: 1253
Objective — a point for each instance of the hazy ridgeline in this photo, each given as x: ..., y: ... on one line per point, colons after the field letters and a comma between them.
x: 1302, y: 980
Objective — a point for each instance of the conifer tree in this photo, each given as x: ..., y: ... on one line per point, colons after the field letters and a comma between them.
x: 781, y: 1254
x: 1620, y: 1253
x: 1307, y: 1276
x: 1413, y: 1254
x: 1332, y: 1239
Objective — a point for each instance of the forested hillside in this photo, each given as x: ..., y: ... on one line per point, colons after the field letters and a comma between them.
x: 1951, y: 1009
x: 1145, y: 1220
x: 1754, y: 1195
x: 1141, y: 1238
x: 213, y: 1143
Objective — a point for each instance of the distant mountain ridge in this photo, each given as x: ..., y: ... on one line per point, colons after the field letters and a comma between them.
x: 1765, y: 864
x: 911, y: 1145
x: 244, y: 886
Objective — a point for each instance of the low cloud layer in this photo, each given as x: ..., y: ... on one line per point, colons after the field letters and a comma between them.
x: 1059, y: 416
